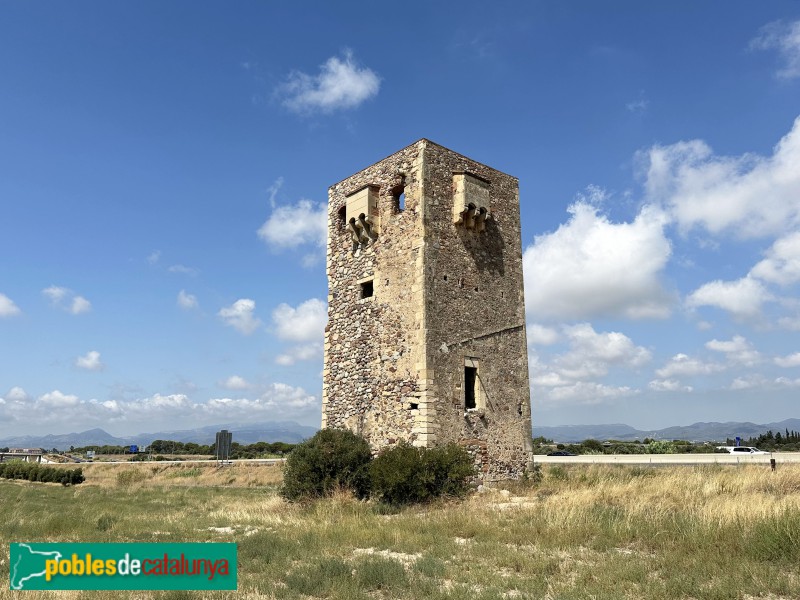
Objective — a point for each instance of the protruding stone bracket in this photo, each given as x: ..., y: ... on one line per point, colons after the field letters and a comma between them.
x: 471, y: 201
x: 363, y: 217
x: 361, y: 232
x: 473, y: 217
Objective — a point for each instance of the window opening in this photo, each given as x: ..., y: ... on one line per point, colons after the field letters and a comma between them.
x: 366, y: 289
x: 445, y: 277
x: 414, y: 406
x: 470, y: 375
x: 399, y: 197
x: 342, y: 216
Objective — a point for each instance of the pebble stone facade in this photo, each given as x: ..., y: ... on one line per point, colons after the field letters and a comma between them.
x: 425, y: 339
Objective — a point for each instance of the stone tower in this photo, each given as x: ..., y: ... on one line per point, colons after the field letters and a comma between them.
x: 426, y: 316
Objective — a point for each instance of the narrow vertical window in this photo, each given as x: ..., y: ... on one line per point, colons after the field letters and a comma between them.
x: 399, y: 197
x: 470, y: 379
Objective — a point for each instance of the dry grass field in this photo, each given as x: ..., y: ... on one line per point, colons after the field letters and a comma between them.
x: 588, y: 532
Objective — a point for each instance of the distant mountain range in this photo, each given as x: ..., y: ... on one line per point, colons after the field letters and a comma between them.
x: 278, y: 431
x: 291, y: 432
x: 698, y: 432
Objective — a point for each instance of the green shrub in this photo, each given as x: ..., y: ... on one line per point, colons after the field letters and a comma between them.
x: 406, y: 474
x: 332, y: 459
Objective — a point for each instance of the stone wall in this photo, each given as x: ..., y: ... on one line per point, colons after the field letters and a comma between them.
x: 446, y: 287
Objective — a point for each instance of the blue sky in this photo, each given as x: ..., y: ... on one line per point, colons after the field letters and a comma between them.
x: 164, y: 171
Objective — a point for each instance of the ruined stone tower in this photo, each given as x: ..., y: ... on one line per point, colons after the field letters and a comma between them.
x: 426, y: 318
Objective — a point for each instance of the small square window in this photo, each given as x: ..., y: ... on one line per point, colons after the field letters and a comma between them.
x: 366, y: 289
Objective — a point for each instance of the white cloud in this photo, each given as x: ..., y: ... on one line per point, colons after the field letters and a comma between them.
x: 681, y: 364
x: 668, y: 385
x: 341, y: 84
x: 782, y: 265
x: 742, y: 298
x: 737, y: 350
x: 68, y: 411
x: 55, y: 293
x: 302, y: 324
x: 67, y: 300
x: 91, y: 361
x: 7, y: 307
x: 184, y: 270
x: 786, y: 382
x: 539, y: 335
x: 294, y: 225
x: 235, y: 382
x: 17, y: 394
x: 592, y: 354
x: 239, y: 315
x: 272, y: 191
x: 749, y: 195
x: 300, y: 352
x: 749, y: 382
x: 56, y: 399
x: 584, y: 392
x: 593, y: 267
x: 80, y: 305
x: 785, y: 38
x: 792, y: 360
x: 154, y: 257
x: 186, y: 301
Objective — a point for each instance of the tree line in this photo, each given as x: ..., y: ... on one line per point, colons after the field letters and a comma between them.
x: 17, y: 469
x: 256, y: 450
x: 786, y: 441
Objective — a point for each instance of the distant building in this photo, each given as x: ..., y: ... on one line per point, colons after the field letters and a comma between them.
x: 426, y: 339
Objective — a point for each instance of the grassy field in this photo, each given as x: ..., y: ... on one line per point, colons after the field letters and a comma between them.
x: 590, y: 532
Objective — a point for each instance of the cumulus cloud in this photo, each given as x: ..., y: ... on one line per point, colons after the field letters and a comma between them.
x: 294, y: 225
x: 785, y: 38
x: 585, y: 392
x: 235, y: 382
x: 67, y: 300
x: 90, y: 361
x: 682, y: 364
x: 592, y: 267
x: 792, y: 360
x: 539, y: 335
x: 239, y: 315
x: 302, y: 324
x: 340, y: 84
x: 750, y: 196
x: 742, y: 298
x: 668, y: 385
x: 737, y: 350
x: 300, y: 352
x: 18, y: 395
x: 67, y: 411
x: 57, y: 399
x: 7, y: 307
x: 186, y: 301
x: 591, y: 354
x: 782, y: 264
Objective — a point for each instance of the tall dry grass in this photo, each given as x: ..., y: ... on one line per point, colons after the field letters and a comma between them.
x: 605, y: 532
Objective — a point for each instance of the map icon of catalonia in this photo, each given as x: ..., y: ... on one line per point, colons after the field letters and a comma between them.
x: 27, y: 563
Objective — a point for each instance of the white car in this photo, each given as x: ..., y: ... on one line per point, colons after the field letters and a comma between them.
x: 747, y: 450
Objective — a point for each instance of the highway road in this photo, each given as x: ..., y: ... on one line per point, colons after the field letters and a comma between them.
x: 669, y: 459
